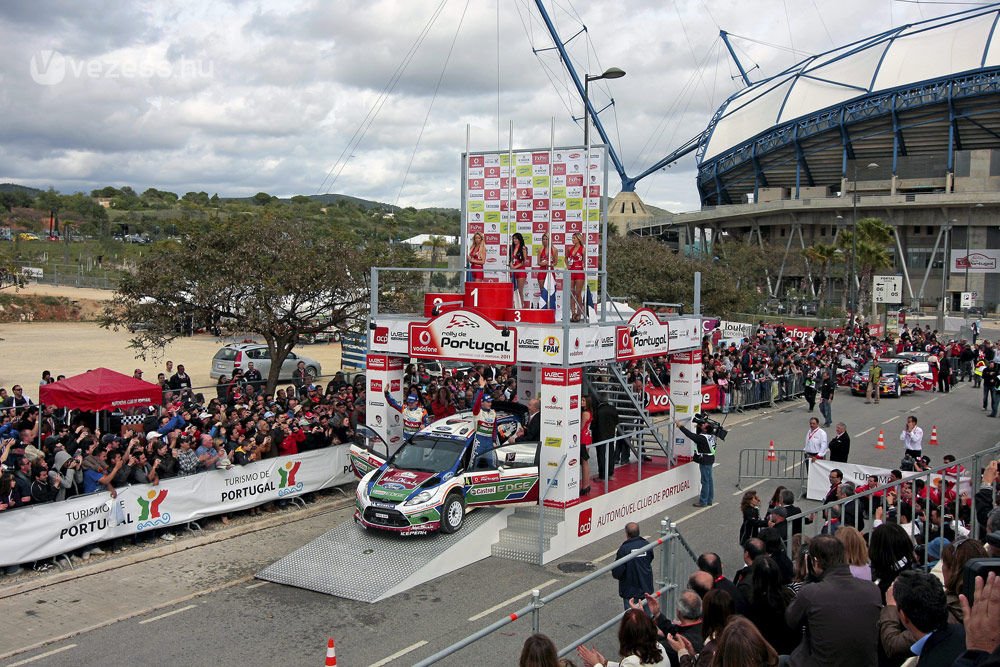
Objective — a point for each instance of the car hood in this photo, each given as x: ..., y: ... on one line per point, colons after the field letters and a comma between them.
x: 395, y: 485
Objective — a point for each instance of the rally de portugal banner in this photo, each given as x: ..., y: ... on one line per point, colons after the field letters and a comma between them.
x: 819, y: 477
x: 43, y: 531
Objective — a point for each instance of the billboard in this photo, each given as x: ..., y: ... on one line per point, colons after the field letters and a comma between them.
x: 977, y: 261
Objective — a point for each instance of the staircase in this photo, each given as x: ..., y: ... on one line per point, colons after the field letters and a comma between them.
x: 519, y: 540
x: 610, y: 384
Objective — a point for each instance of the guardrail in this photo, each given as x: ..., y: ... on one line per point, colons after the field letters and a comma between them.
x: 866, y: 502
x: 787, y: 464
x: 763, y: 392
x: 669, y: 543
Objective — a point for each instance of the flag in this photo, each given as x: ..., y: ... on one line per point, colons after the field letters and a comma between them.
x: 547, y: 294
x: 591, y: 306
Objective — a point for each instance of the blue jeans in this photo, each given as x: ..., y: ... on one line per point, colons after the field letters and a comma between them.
x: 994, y: 400
x: 826, y: 409
x: 707, y: 484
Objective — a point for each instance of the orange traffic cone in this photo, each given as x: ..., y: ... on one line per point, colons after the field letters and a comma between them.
x: 880, y: 444
x: 771, y: 454
x: 331, y: 654
x: 934, y: 435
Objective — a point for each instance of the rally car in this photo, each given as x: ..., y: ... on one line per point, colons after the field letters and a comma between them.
x: 899, y: 376
x: 432, y: 480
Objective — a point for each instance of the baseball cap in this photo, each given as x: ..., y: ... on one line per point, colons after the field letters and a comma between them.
x: 411, y: 397
x: 487, y: 397
x: 268, y: 414
x: 138, y: 370
x: 153, y: 434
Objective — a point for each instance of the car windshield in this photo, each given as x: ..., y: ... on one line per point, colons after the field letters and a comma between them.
x: 426, y: 454
x: 887, y: 367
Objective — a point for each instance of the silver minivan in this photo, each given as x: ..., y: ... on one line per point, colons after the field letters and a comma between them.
x: 236, y: 355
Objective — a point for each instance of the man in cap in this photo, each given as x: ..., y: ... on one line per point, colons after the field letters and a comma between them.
x: 415, y: 416
x: 137, y: 374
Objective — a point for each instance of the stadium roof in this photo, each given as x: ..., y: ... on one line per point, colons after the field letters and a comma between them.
x: 903, y: 56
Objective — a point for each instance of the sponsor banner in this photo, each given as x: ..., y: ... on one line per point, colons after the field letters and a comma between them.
x: 596, y: 343
x: 976, y: 261
x: 819, y: 477
x: 385, y: 373
x: 606, y: 515
x: 644, y: 336
x: 560, y: 434
x: 389, y: 337
x: 464, y: 335
x: 738, y: 330
x: 685, y: 334
x: 685, y: 392
x: 657, y: 401
x: 42, y: 531
x: 527, y: 383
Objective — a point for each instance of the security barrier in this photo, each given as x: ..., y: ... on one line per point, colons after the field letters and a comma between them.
x: 752, y: 394
x: 777, y: 464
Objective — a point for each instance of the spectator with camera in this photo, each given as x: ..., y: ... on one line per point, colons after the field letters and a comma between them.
x: 704, y: 456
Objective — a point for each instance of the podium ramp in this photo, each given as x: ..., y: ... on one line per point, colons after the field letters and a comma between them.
x: 369, y: 565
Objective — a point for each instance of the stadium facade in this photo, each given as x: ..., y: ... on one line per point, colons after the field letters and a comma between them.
x: 906, y: 121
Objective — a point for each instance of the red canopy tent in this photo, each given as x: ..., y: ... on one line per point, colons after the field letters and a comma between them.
x: 100, y: 389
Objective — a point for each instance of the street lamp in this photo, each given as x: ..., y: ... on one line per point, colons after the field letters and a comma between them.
x: 609, y: 73
x: 968, y: 233
x: 854, y: 242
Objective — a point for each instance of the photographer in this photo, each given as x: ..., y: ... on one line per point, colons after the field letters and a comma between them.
x: 704, y: 456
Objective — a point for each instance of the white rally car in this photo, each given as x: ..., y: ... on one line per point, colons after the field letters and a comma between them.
x: 430, y: 482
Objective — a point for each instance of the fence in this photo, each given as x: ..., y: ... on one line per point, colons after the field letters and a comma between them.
x: 670, y: 543
x: 863, y: 505
x: 787, y: 464
x: 763, y: 392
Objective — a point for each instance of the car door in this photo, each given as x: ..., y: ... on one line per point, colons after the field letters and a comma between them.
x: 515, y: 477
x: 288, y: 366
x: 368, y: 451
x: 261, y: 358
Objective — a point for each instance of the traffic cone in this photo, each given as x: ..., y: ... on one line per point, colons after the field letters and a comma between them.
x: 771, y: 454
x: 331, y: 654
x: 934, y: 435
x: 880, y: 444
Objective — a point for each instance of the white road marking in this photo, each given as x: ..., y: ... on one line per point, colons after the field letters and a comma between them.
x: 863, y: 432
x: 749, y: 423
x: 258, y: 585
x: 508, y: 601
x: 694, y: 514
x: 398, y: 654
x: 890, y: 419
x: 169, y: 613
x: 42, y: 655
x: 932, y: 400
x: 750, y: 486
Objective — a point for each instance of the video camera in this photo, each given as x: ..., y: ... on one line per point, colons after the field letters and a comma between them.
x: 715, y: 428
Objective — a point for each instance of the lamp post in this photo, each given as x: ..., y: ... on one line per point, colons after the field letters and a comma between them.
x: 854, y: 242
x: 609, y: 73
x: 968, y: 233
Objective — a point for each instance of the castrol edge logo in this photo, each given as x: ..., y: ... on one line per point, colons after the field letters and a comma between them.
x: 645, y: 336
x: 463, y: 336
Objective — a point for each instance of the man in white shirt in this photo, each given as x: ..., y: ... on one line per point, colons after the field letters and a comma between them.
x: 912, y: 437
x: 816, y: 440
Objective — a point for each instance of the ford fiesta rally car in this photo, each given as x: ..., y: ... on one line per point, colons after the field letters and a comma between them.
x: 431, y: 481
x: 899, y: 376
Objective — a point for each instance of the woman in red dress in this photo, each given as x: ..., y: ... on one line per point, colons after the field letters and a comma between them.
x: 574, y: 262
x: 548, y: 259
x: 477, y: 257
x: 518, y: 260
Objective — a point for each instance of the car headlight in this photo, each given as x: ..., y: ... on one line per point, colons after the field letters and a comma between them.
x: 421, y: 497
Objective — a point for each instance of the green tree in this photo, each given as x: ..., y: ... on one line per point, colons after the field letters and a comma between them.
x: 299, y: 283
x: 50, y: 200
x: 15, y: 198
x: 262, y: 199
x: 873, y: 239
x: 822, y: 256
x: 106, y: 191
x: 198, y: 198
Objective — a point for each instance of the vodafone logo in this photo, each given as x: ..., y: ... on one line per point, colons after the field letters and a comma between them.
x: 425, y: 337
x: 585, y: 523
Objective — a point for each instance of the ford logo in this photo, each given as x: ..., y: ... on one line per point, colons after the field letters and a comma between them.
x: 393, y: 486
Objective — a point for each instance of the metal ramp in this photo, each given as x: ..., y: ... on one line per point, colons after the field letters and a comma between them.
x: 370, y: 566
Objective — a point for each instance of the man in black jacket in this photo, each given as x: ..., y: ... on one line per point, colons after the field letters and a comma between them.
x: 704, y: 456
x: 923, y: 610
x: 635, y: 578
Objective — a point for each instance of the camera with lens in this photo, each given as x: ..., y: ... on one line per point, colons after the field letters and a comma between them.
x: 714, y: 427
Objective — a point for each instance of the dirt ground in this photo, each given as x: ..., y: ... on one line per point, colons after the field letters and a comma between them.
x: 70, y: 348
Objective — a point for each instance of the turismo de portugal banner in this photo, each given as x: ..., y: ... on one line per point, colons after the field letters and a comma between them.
x: 47, y: 530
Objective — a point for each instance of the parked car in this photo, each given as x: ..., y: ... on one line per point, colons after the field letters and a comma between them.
x: 430, y: 482
x: 236, y: 355
x: 27, y: 236
x: 978, y: 311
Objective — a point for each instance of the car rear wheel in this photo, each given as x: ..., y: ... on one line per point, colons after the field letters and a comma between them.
x: 452, y: 513
x: 312, y: 371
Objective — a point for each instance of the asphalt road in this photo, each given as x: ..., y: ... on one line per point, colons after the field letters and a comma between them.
x: 240, y: 621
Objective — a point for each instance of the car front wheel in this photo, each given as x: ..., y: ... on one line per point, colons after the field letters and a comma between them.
x: 452, y: 514
x: 313, y: 373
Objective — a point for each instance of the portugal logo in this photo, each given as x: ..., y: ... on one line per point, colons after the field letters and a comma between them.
x: 462, y: 321
x: 149, y: 510
x: 287, y: 485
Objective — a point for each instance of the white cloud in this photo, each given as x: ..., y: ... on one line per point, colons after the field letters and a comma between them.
x: 247, y: 96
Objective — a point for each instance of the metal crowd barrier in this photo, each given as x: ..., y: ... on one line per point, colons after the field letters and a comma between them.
x: 763, y: 392
x: 788, y: 464
x: 866, y: 502
x: 670, y: 543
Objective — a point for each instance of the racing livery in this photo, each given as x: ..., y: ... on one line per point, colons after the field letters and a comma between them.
x: 899, y: 376
x: 433, y: 479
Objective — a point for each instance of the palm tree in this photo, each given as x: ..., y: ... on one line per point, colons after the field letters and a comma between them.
x: 874, y: 239
x: 822, y: 255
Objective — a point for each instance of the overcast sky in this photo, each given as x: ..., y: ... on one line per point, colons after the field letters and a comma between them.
x: 246, y: 96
